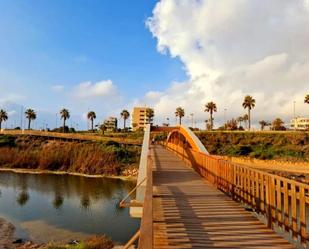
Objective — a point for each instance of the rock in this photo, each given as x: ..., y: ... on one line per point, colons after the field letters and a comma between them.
x: 74, y: 242
x: 18, y: 241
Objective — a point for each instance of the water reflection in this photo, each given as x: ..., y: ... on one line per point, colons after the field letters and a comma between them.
x: 58, y: 201
x: 85, y: 202
x: 22, y: 198
x: 63, y: 203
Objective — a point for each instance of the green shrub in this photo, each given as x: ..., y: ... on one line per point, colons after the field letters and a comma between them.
x: 7, y: 140
x: 268, y: 145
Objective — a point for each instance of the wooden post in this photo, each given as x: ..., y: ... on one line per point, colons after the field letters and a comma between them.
x: 294, y: 210
x: 302, y: 215
x: 268, y: 202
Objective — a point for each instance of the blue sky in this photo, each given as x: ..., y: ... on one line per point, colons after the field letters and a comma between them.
x: 100, y: 55
x: 63, y: 43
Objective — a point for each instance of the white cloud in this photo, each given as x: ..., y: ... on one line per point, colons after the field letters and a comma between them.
x: 57, y: 88
x: 11, y: 98
x: 11, y: 113
x: 88, y: 89
x: 233, y: 48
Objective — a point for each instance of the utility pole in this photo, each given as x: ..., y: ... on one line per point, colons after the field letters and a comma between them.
x: 294, y: 114
x: 21, y: 117
x: 192, y: 120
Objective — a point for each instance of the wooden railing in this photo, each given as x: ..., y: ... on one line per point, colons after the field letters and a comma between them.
x: 283, y: 202
x: 146, y: 229
x: 72, y: 136
x: 141, y: 207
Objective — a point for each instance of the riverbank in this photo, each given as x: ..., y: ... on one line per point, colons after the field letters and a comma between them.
x: 8, y: 241
x: 36, y: 154
x: 41, y: 172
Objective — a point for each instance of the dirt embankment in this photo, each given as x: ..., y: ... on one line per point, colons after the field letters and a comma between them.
x: 7, y: 240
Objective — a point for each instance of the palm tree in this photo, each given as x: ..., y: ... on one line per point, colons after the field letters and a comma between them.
x: 102, y: 128
x: 149, y: 114
x: 245, y: 118
x: 64, y: 114
x: 306, y: 99
x: 30, y: 115
x: 263, y: 123
x: 249, y: 103
x: 211, y: 107
x: 180, y: 113
x: 239, y: 120
x: 91, y: 116
x: 125, y: 115
x: 3, y: 117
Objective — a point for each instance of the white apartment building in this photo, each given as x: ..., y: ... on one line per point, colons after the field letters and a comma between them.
x: 299, y: 123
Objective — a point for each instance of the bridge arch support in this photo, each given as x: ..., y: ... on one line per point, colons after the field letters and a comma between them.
x: 183, y: 137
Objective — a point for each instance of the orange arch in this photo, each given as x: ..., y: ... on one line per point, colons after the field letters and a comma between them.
x: 184, y: 134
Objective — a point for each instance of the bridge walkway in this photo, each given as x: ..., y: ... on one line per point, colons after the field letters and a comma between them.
x: 188, y: 212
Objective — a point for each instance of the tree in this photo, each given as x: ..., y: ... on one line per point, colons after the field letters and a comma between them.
x: 180, y: 113
x: 306, y: 99
x: 30, y: 115
x: 102, y: 128
x: 150, y: 114
x: 263, y: 123
x: 277, y: 125
x: 125, y: 115
x: 91, y: 116
x: 3, y: 117
x: 249, y: 103
x: 240, y: 119
x: 231, y: 125
x: 245, y: 118
x: 64, y: 114
x: 211, y: 107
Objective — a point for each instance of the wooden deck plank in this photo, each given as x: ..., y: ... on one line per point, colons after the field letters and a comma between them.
x: 188, y: 212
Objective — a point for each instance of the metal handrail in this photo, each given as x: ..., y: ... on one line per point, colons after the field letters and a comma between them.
x: 132, y: 240
x: 122, y: 203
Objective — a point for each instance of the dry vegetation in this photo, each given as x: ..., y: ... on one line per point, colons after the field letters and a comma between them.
x: 287, y: 146
x: 87, y: 157
x: 95, y: 242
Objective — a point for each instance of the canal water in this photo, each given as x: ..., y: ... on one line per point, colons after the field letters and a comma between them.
x: 50, y: 207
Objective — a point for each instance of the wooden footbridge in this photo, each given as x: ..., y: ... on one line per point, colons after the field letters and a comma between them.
x: 187, y: 198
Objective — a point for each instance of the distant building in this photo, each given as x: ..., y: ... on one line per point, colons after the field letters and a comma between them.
x: 111, y: 124
x: 300, y: 124
x: 139, y: 118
